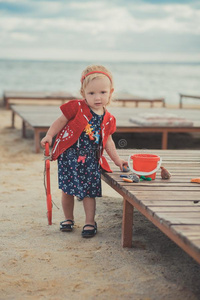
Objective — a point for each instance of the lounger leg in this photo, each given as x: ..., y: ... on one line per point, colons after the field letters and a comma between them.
x: 164, y: 140
x: 127, y: 224
x: 13, y: 119
x: 180, y: 103
x: 6, y: 101
x: 37, y: 140
x: 23, y: 129
x: 163, y: 103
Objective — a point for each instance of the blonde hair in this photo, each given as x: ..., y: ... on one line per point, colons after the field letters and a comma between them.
x: 90, y: 77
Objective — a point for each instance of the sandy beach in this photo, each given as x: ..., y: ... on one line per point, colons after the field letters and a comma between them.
x: 40, y: 262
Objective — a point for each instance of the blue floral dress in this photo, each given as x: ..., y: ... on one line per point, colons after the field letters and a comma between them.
x: 79, y: 172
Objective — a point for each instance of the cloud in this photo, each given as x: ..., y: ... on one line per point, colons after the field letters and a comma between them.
x: 122, y: 26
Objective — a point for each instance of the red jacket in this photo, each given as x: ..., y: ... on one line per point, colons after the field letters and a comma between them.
x: 78, y: 114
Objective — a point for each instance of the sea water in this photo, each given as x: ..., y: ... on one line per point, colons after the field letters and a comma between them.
x: 151, y: 80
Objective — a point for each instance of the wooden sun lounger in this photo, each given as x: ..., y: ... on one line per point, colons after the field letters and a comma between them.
x: 123, y: 116
x: 125, y: 98
x: 41, y: 117
x: 186, y: 96
x: 16, y: 95
x: 172, y: 205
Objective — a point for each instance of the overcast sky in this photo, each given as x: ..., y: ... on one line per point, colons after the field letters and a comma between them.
x: 103, y: 30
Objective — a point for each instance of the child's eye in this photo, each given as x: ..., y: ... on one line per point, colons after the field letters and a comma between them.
x: 91, y: 93
x: 103, y: 92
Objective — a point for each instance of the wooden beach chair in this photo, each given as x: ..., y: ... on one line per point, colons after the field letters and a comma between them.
x: 186, y: 96
x: 13, y: 96
x: 125, y: 98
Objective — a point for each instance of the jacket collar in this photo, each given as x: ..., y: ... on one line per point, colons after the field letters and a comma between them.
x: 88, y: 112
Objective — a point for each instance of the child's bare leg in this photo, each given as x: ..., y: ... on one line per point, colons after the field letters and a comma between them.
x: 90, y: 208
x: 68, y: 206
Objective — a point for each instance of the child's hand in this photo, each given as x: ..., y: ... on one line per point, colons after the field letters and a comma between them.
x: 121, y: 164
x: 46, y: 139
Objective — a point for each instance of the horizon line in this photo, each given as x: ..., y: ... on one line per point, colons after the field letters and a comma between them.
x: 107, y: 61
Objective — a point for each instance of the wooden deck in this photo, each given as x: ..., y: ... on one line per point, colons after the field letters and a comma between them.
x: 10, y: 97
x: 172, y: 205
x: 41, y: 117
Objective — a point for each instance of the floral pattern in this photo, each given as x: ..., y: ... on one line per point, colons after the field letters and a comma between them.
x: 79, y: 172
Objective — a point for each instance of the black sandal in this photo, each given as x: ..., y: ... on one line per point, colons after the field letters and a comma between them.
x: 66, y: 227
x: 89, y: 233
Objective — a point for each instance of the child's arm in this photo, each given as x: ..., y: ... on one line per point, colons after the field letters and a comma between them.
x: 57, y: 125
x: 112, y: 152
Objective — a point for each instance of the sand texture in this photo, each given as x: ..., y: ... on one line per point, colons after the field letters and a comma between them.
x: 38, y: 261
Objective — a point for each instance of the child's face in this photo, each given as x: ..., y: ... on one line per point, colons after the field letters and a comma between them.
x: 98, y: 93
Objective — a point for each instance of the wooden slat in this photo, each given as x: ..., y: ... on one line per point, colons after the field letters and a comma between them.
x: 163, y: 188
x: 190, y: 218
x: 180, y: 214
x: 169, y: 203
x: 172, y: 209
x: 172, y: 195
x: 189, y: 234
x: 187, y: 230
x: 177, y: 221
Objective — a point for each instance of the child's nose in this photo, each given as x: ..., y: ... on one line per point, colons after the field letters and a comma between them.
x: 98, y: 96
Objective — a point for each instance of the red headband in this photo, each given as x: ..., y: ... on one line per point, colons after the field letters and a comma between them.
x: 93, y: 72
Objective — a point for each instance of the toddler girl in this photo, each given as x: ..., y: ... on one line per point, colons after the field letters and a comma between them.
x: 84, y: 130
